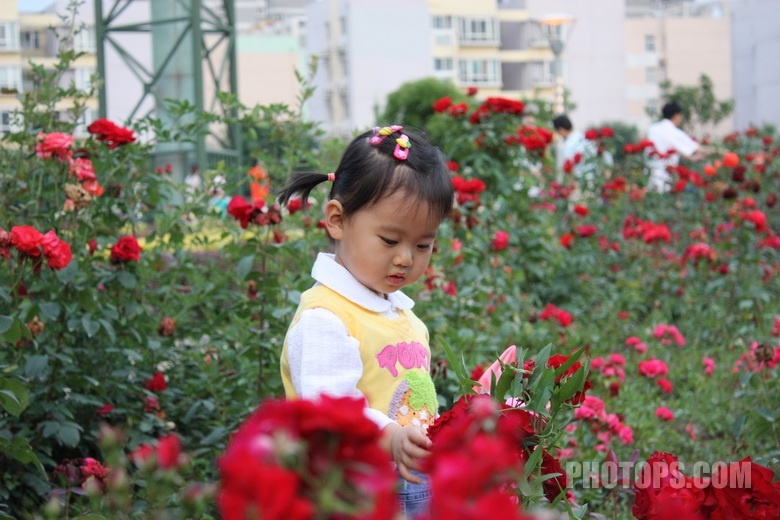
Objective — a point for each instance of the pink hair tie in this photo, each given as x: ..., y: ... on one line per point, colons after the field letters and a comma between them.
x: 332, y: 177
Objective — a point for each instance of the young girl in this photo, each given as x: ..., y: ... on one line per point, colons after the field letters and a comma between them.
x: 354, y: 333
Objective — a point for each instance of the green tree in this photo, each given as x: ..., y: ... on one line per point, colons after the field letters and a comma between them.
x: 701, y: 109
x: 413, y: 102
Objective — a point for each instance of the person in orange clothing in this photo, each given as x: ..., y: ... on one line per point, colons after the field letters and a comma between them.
x: 258, y: 186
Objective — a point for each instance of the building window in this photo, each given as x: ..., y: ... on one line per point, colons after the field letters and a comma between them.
x: 480, y: 72
x: 443, y: 64
x: 649, y: 43
x: 442, y: 23
x: 9, y: 35
x: 10, y: 78
x: 651, y: 75
x: 443, y: 35
x: 31, y: 40
x: 82, y: 78
x: 478, y: 30
x: 84, y: 40
x: 5, y: 123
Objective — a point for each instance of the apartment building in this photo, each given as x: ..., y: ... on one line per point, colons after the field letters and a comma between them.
x: 27, y: 38
x: 676, y: 41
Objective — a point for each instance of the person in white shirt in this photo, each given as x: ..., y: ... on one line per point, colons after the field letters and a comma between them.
x: 578, y: 150
x: 669, y: 144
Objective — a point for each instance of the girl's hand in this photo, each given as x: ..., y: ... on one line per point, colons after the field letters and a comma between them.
x: 407, y: 444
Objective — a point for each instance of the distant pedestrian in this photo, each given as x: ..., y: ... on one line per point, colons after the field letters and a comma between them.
x: 258, y: 186
x: 577, y: 153
x: 669, y: 144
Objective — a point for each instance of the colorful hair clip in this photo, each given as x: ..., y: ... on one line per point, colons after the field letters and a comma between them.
x: 381, y: 133
x: 402, y: 145
x: 332, y: 177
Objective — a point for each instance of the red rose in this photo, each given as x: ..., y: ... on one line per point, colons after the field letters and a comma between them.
x: 500, y: 241
x: 581, y: 210
x: 83, y: 169
x: 111, y: 133
x: 156, y: 383
x: 105, y: 409
x: 92, y: 245
x: 141, y: 454
x: 57, y: 252
x: 471, y: 91
x: 442, y: 104
x: 592, y: 134
x: 567, y: 240
x: 27, y: 240
x: 169, y: 451
x: 55, y: 144
x: 126, y: 249
x: 586, y: 230
x: 554, y: 485
x: 744, y: 489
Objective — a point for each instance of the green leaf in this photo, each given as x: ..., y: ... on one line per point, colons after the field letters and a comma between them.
x: 109, y: 329
x: 50, y: 310
x: 766, y: 414
x: 20, y: 449
x: 6, y: 322
x: 67, y: 274
x: 503, y: 384
x: 36, y: 367
x: 244, y: 266
x: 68, y: 435
x: 14, y: 396
x: 90, y: 327
x: 540, y: 364
x: 457, y: 366
x: 50, y: 428
x: 542, y: 391
x: 126, y: 279
x: 14, y: 332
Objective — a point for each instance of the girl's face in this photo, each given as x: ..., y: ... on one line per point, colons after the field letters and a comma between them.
x: 385, y: 246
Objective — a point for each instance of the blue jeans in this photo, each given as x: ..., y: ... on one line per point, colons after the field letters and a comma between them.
x: 414, y: 499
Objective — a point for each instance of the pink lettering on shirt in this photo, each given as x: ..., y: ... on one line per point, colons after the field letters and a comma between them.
x: 409, y: 355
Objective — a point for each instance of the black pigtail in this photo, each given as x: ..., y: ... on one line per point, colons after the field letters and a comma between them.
x: 302, y: 184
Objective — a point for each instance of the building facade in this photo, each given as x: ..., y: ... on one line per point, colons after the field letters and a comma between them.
x: 27, y: 38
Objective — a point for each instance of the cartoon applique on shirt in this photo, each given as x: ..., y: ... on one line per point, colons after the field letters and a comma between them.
x: 414, y: 401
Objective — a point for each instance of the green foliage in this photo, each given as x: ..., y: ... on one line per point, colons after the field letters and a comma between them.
x: 412, y: 103
x: 702, y: 111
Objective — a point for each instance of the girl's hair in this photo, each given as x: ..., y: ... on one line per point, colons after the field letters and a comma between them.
x: 367, y: 173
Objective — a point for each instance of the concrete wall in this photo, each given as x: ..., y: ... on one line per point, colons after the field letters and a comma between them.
x: 384, y: 45
x: 756, y: 58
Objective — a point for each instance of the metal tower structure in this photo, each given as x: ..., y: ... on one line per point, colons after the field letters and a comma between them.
x: 193, y: 47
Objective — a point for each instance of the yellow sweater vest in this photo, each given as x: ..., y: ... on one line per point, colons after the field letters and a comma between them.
x: 395, y: 354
